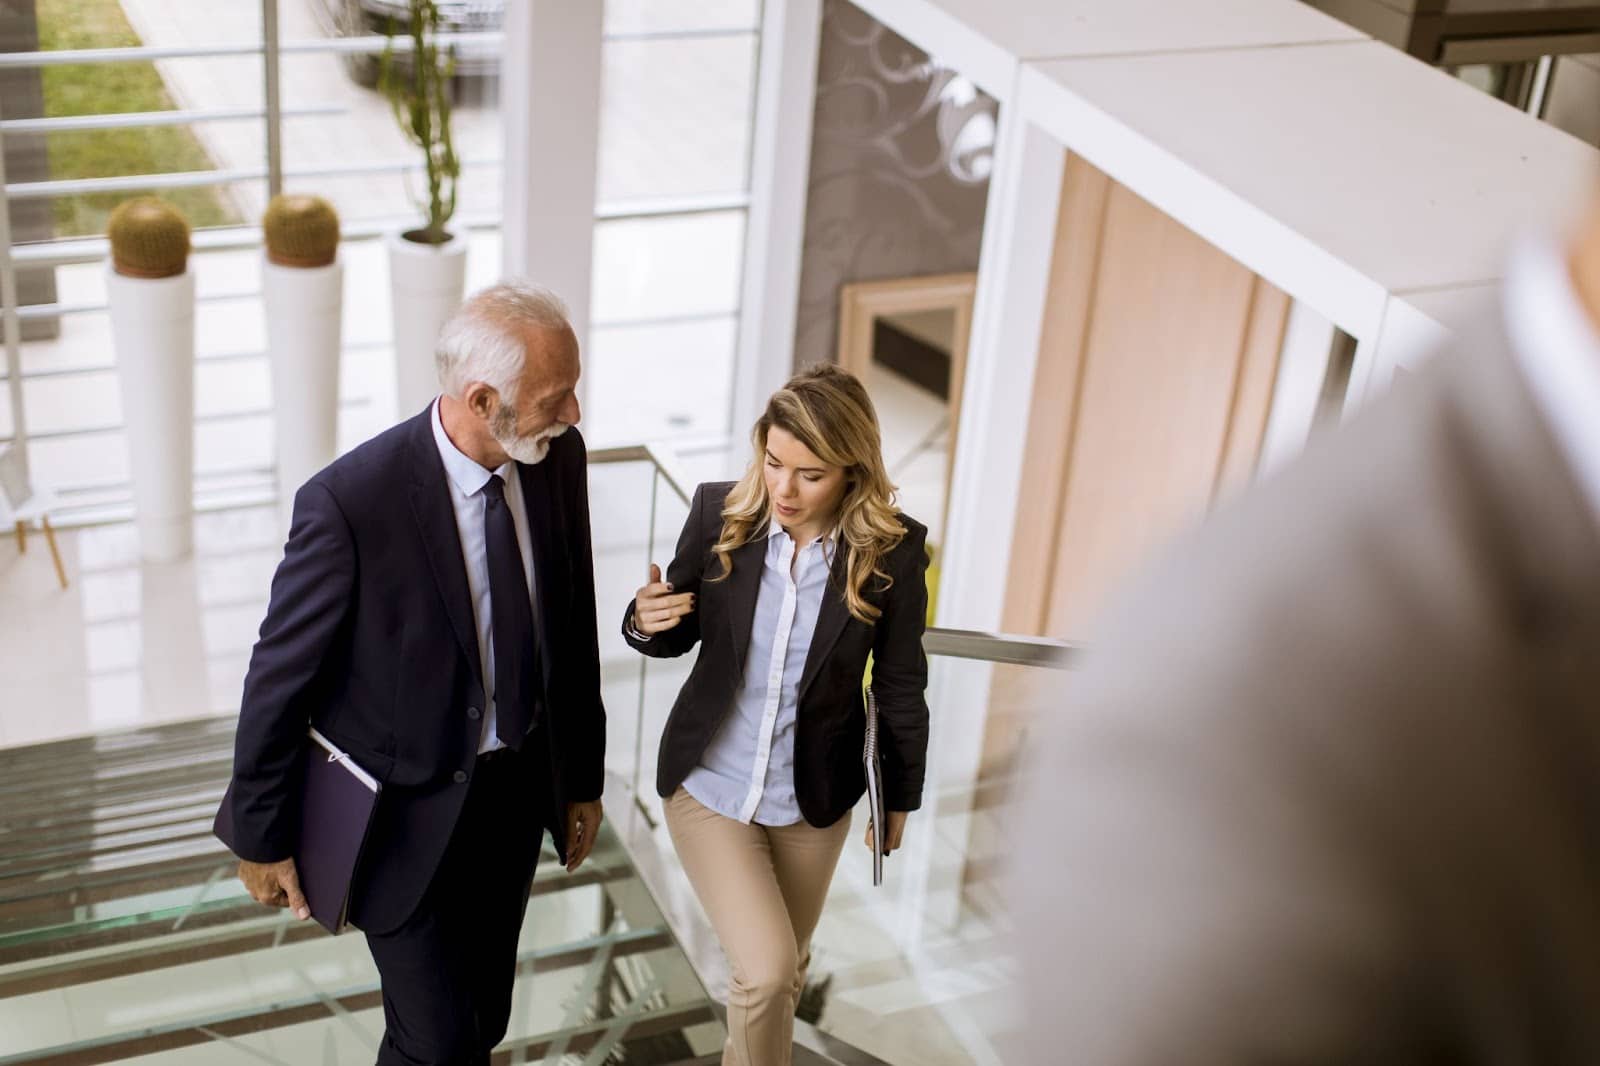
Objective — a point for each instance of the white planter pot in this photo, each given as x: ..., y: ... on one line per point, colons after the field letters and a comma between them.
x: 426, y: 283
x: 152, y: 331
x: 304, y: 307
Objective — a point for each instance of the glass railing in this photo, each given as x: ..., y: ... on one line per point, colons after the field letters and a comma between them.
x: 916, y: 971
x: 125, y: 936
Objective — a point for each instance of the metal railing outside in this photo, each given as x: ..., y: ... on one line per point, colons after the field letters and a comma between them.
x: 62, y: 252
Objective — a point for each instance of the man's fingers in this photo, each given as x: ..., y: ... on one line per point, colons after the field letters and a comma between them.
x: 579, y: 851
x: 583, y: 829
x: 290, y: 882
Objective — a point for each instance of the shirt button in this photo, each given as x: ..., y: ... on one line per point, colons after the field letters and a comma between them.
x: 474, y: 714
x: 460, y: 777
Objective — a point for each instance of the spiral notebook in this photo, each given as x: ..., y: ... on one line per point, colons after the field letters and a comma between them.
x: 336, y: 805
x: 873, y: 764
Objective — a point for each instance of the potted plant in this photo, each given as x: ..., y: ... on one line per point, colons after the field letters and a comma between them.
x: 151, y: 295
x: 427, y: 265
x: 302, y: 288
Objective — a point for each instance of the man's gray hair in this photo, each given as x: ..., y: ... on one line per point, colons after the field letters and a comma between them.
x: 483, y: 341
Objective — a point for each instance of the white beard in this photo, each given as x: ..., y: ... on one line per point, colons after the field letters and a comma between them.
x: 531, y: 450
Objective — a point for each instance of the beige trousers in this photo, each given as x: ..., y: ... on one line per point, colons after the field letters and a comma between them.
x: 763, y: 888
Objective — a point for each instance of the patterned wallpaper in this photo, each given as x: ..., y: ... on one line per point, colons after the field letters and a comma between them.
x: 900, y: 157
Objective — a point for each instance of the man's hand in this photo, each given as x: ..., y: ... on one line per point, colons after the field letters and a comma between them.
x: 894, y: 829
x: 276, y: 884
x: 583, y: 825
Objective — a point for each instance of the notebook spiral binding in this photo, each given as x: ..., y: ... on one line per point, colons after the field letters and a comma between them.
x: 872, y: 765
x: 871, y: 751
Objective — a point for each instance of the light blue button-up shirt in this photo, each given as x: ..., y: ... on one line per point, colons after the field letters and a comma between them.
x: 467, y: 479
x: 747, y: 772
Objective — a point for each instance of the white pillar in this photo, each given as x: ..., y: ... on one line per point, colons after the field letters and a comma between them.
x: 780, y: 172
x: 550, y: 108
x: 1008, y: 312
x: 1019, y: 232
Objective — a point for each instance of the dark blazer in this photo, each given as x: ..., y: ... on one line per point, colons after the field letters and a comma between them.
x: 370, y: 637
x: 831, y: 725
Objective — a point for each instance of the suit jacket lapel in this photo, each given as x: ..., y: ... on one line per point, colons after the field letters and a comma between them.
x: 541, y: 504
x: 743, y: 586
x: 436, y: 521
x: 831, y: 620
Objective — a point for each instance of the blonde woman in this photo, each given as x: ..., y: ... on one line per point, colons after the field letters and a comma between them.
x: 788, y: 580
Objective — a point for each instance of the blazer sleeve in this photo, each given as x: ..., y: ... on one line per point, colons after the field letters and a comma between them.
x: 900, y: 677
x: 309, y: 602
x: 584, y: 741
x: 684, y: 574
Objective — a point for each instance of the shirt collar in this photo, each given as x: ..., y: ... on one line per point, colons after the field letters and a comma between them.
x: 1558, y: 351
x: 464, y: 472
x: 774, y: 529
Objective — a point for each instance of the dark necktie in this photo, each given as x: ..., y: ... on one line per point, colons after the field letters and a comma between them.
x: 516, y: 657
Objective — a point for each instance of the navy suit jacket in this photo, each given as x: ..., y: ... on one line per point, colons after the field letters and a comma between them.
x: 370, y: 637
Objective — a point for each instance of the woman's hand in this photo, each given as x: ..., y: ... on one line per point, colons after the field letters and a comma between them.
x: 894, y: 830
x: 656, y: 609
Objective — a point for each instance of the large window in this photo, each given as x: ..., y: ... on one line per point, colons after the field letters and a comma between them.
x: 171, y: 97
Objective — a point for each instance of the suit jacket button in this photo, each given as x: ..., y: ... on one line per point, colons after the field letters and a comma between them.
x: 460, y: 777
x: 474, y: 714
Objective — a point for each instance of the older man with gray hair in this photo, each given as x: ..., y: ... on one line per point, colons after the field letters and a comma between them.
x: 434, y: 617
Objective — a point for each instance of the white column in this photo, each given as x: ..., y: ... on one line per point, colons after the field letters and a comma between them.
x: 780, y: 172
x: 1019, y: 231
x: 550, y: 107
x: 1013, y: 282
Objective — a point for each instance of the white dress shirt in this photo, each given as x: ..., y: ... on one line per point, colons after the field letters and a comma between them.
x: 467, y: 479
x: 747, y: 771
x: 1558, y: 351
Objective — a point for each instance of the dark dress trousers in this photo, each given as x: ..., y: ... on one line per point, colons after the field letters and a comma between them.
x: 831, y: 721
x: 370, y: 636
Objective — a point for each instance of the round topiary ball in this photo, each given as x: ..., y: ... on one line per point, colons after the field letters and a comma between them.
x: 149, y: 239
x: 301, y: 231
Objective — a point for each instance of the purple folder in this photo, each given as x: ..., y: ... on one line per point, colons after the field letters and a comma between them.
x: 336, y: 804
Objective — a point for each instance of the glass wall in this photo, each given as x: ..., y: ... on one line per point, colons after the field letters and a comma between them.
x: 170, y: 97
x: 674, y: 179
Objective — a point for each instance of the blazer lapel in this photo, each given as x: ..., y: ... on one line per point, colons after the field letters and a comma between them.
x: 541, y: 504
x: 831, y: 620
x: 436, y: 521
x: 743, y: 585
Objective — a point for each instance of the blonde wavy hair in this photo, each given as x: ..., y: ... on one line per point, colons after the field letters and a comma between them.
x: 828, y: 410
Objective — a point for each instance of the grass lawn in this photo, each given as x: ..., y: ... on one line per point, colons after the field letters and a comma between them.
x: 110, y: 89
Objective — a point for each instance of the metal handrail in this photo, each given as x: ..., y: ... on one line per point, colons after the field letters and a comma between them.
x: 370, y: 44
x: 658, y: 455
x: 180, y: 179
x: 80, y: 250
x: 1008, y: 648
x: 1001, y: 648
x: 70, y: 251
x: 141, y: 119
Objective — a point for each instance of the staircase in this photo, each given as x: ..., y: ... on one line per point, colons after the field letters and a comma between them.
x: 125, y: 937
